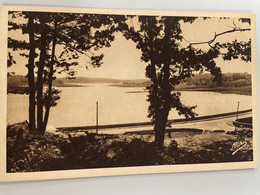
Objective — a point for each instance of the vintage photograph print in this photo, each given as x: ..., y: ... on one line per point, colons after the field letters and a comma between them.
x: 111, y: 92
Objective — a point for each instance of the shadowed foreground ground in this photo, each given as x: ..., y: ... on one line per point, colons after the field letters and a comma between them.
x: 26, y: 152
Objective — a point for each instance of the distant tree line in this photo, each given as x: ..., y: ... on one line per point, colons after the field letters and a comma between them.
x: 228, y: 80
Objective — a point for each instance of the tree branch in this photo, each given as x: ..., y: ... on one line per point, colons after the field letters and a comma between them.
x: 75, y: 49
x: 219, y: 34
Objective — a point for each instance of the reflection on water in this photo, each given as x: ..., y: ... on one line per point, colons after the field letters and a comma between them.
x: 77, y: 105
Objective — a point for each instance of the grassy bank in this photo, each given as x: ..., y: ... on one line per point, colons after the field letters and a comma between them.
x: 26, y: 152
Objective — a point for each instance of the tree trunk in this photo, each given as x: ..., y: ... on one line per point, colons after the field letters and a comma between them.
x: 50, y: 78
x: 46, y: 117
x: 161, y: 117
x: 40, y: 74
x: 159, y: 127
x: 30, y: 67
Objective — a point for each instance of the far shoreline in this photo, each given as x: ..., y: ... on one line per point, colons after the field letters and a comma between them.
x: 223, y: 90
x: 237, y: 91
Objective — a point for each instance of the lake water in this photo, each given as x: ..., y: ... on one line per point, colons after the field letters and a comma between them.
x: 77, y: 106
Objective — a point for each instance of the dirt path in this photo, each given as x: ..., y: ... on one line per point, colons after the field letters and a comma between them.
x: 224, y: 123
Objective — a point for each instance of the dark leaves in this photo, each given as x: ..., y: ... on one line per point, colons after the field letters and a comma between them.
x: 96, y: 61
x: 17, y: 44
x: 236, y: 50
x: 245, y: 20
x: 51, y: 100
x: 10, y: 60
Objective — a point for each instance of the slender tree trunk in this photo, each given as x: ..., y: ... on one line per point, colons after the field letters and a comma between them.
x: 40, y: 74
x: 50, y: 78
x: 31, y: 84
x: 165, y: 90
x: 154, y: 99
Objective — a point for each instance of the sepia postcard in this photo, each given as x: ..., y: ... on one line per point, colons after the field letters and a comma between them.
x: 88, y: 92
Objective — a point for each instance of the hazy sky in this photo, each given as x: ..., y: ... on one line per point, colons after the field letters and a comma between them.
x: 122, y: 59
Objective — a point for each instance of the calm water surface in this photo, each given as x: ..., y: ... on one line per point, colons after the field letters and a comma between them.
x: 77, y: 105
